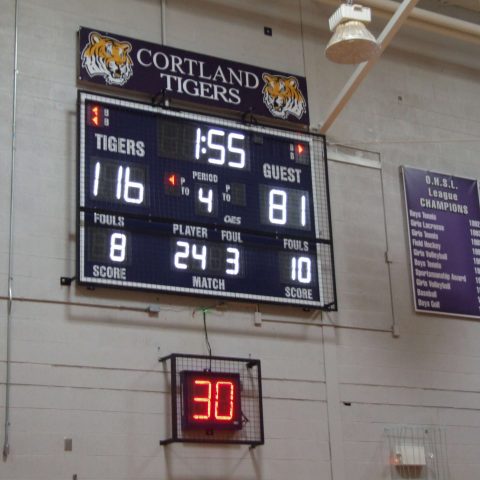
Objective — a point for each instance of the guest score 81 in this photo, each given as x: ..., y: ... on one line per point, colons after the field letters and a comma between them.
x: 182, y: 203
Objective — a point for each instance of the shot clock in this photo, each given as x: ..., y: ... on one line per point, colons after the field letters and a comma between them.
x: 211, y: 400
x: 184, y: 203
x: 214, y: 399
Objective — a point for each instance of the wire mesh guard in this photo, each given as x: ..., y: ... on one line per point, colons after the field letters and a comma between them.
x: 179, y: 202
x: 418, y: 452
x: 244, y: 372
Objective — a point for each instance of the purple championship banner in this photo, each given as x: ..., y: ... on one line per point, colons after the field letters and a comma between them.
x: 443, y: 217
x: 157, y: 70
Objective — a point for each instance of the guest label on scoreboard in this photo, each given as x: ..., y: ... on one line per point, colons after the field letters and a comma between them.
x: 183, y: 203
x: 443, y: 215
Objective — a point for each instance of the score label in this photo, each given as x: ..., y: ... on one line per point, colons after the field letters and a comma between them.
x: 211, y: 400
x: 183, y: 203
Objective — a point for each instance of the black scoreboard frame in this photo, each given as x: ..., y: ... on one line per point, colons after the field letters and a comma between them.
x: 322, y: 243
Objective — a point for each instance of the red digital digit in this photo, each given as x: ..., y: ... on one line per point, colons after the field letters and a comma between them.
x: 224, y: 395
x: 172, y: 183
x: 204, y: 402
x: 211, y: 400
x: 301, y: 152
x: 95, y: 116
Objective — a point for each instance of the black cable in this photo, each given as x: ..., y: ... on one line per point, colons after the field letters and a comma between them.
x: 204, y: 311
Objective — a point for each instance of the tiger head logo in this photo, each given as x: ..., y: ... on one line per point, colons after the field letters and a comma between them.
x: 109, y: 58
x: 282, y: 96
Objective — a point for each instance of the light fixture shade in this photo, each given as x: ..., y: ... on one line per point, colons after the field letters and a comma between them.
x: 351, y: 43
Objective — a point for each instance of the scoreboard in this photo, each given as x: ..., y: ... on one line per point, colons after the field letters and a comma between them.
x: 177, y: 202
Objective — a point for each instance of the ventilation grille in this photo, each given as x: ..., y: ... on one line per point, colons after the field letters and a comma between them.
x: 418, y: 452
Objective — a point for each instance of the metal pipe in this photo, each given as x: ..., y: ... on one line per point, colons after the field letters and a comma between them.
x: 267, y: 318
x: 288, y: 321
x: 163, y: 7
x: 395, y: 325
x: 6, y: 441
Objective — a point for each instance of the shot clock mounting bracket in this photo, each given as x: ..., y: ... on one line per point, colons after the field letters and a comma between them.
x: 214, y: 400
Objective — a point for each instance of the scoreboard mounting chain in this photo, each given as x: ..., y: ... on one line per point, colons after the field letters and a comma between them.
x: 178, y: 202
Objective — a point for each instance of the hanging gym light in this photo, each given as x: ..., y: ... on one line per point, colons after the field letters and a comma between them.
x: 351, y: 41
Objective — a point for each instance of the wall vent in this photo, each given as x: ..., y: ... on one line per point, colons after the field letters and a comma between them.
x: 418, y: 452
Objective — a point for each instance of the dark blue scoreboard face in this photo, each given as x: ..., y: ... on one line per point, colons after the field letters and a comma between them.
x: 182, y: 203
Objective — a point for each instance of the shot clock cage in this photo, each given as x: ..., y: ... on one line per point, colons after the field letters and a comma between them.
x: 249, y: 372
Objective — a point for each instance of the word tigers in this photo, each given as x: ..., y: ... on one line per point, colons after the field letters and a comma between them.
x: 282, y: 96
x: 109, y: 58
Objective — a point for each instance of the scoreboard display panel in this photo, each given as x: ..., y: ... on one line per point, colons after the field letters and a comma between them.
x: 177, y: 202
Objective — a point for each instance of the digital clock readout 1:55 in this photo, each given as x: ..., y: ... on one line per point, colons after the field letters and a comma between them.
x: 183, y: 203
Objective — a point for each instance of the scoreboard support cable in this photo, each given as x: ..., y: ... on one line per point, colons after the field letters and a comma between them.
x: 177, y: 202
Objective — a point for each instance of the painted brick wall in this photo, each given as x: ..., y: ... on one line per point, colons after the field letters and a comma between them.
x: 85, y: 363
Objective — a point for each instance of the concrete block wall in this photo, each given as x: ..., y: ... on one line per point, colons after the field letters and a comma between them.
x: 85, y: 363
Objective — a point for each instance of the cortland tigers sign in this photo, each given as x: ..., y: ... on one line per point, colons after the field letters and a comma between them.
x: 114, y: 60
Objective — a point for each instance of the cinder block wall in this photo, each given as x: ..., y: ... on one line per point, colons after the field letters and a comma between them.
x: 85, y: 363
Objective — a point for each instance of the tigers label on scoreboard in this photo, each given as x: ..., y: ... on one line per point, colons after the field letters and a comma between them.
x: 177, y: 202
x: 129, y: 64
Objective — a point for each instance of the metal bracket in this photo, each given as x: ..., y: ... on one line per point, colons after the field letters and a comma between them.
x: 387, y: 258
x: 166, y: 442
x: 161, y: 98
x: 330, y: 306
x: 253, y: 363
x: 248, y: 118
x: 66, y: 281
